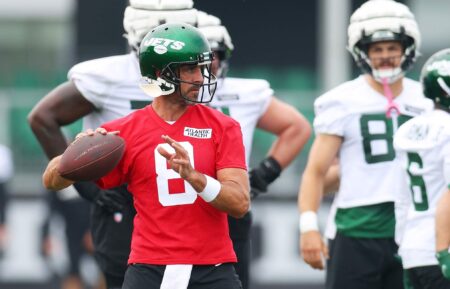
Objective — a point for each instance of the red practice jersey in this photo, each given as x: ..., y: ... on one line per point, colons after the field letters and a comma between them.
x: 173, y: 225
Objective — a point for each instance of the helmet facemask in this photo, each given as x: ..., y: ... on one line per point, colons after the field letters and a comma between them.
x: 169, y: 80
x: 171, y: 75
x: 383, y: 20
x: 360, y: 53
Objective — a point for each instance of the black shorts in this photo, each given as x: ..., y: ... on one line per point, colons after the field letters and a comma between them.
x: 363, y: 263
x: 427, y: 277
x: 144, y: 276
x: 112, y: 241
x: 240, y: 235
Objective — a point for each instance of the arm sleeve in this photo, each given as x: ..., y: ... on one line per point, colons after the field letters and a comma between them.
x: 230, y: 153
x: 330, y: 116
x: 90, y: 82
x: 266, y: 94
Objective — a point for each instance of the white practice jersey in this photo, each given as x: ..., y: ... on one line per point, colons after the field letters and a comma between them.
x: 245, y: 100
x: 423, y: 148
x: 111, y: 84
x: 368, y: 167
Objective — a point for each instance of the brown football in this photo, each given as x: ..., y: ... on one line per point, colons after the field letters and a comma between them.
x: 91, y: 157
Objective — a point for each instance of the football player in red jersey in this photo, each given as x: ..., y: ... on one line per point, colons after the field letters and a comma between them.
x: 89, y: 96
x: 185, y: 166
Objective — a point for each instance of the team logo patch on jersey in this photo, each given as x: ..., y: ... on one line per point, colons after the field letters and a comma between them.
x: 197, y: 132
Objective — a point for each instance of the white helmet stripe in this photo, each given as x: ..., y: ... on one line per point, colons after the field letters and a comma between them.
x: 443, y: 85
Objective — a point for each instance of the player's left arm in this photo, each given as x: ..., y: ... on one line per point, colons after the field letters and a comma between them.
x: 228, y: 193
x: 233, y: 195
x: 292, y: 130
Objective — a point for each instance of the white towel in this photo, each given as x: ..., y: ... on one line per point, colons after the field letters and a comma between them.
x: 176, y: 277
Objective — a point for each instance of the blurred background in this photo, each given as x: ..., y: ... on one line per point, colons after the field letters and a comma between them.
x: 298, y: 46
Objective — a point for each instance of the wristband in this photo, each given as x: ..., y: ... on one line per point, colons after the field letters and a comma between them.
x: 211, y: 189
x: 308, y: 222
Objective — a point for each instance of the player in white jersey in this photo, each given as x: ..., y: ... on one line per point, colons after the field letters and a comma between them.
x: 107, y: 88
x: 355, y: 123
x: 252, y: 103
x: 423, y: 148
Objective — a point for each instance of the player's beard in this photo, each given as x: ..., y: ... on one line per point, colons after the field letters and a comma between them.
x: 387, y: 69
x: 191, y: 96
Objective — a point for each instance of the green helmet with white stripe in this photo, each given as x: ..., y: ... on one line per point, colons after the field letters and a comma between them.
x: 435, y: 78
x: 164, y: 49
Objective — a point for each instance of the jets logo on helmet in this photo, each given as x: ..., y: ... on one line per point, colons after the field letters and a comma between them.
x: 435, y: 78
x: 165, y: 49
x: 383, y: 20
x: 162, y: 44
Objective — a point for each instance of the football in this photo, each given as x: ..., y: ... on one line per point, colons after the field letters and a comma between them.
x: 91, y: 157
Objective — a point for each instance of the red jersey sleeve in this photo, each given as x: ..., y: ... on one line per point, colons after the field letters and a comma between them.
x: 231, y: 152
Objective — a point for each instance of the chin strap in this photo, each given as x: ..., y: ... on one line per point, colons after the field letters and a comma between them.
x: 392, y: 110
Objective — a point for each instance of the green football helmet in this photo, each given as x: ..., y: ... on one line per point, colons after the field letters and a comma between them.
x: 435, y: 78
x: 167, y: 47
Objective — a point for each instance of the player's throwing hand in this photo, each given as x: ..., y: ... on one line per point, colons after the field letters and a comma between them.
x: 178, y: 161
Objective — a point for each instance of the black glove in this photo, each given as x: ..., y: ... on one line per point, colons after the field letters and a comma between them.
x: 112, y: 200
x: 263, y: 175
